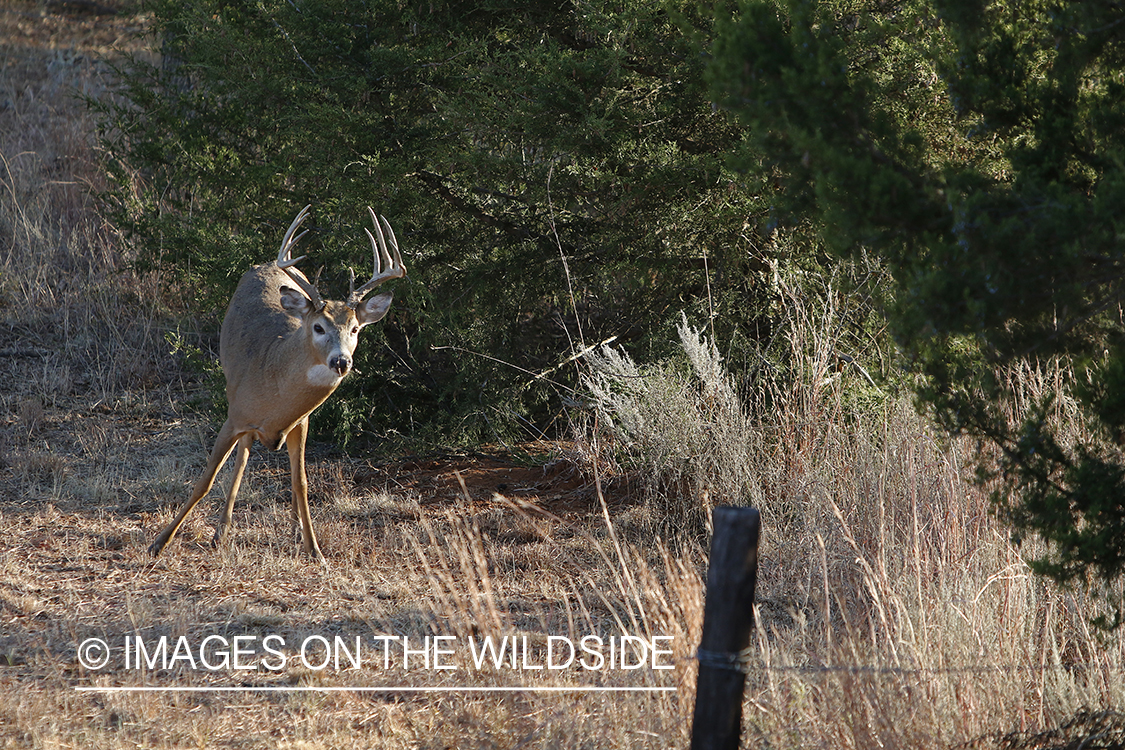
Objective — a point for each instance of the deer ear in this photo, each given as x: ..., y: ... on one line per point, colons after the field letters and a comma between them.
x: 374, y: 309
x: 294, y: 301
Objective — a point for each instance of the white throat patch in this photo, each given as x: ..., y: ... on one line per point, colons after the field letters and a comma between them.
x: 322, y: 376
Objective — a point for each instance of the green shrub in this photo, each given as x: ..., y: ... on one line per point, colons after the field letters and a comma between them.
x: 555, y: 174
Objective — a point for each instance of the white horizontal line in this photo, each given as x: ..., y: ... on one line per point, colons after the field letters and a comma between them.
x: 366, y: 689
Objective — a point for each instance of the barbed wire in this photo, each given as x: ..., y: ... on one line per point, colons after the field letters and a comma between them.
x: 740, y: 661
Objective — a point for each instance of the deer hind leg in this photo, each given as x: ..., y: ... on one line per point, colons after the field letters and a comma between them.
x: 245, y: 442
x: 224, y: 443
x: 295, y: 442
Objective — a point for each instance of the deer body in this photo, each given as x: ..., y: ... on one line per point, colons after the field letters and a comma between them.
x: 259, y: 341
x: 283, y: 353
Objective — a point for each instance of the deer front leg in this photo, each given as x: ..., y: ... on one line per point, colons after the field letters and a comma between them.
x: 295, y: 442
x: 224, y: 443
x: 245, y: 442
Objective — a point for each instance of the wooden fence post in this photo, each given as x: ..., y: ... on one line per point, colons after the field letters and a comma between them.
x: 728, y: 618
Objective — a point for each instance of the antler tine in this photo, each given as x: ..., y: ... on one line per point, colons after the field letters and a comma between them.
x: 388, y: 263
x: 285, y: 262
x: 288, y: 242
x: 394, y: 242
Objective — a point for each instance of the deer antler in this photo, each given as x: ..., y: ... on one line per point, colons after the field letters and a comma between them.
x: 284, y: 262
x: 388, y: 264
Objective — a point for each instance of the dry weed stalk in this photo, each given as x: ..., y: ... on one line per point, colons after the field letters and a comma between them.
x: 685, y: 435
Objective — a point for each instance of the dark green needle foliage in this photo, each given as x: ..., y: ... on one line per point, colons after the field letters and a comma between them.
x: 499, y: 138
x: 979, y: 149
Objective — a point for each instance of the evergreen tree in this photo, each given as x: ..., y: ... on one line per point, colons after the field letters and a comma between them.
x: 979, y: 148
x: 555, y: 173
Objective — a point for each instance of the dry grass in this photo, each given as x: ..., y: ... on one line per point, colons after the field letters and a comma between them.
x: 893, y: 610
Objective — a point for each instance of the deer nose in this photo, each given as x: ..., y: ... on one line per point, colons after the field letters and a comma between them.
x: 341, y: 364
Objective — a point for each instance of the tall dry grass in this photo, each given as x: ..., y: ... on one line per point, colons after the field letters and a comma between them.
x: 71, y: 317
x: 81, y: 337
x: 894, y: 610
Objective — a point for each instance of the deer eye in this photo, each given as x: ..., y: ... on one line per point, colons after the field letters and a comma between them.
x: 318, y: 328
x: 355, y: 330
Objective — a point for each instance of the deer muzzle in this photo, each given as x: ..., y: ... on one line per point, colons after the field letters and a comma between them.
x: 341, y: 363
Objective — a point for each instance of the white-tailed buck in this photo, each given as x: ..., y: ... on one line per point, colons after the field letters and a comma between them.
x: 283, y: 352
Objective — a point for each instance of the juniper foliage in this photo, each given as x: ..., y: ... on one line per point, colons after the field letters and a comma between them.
x: 555, y: 173
x: 978, y: 148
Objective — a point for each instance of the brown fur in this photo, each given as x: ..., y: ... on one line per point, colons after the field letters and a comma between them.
x: 278, y: 368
